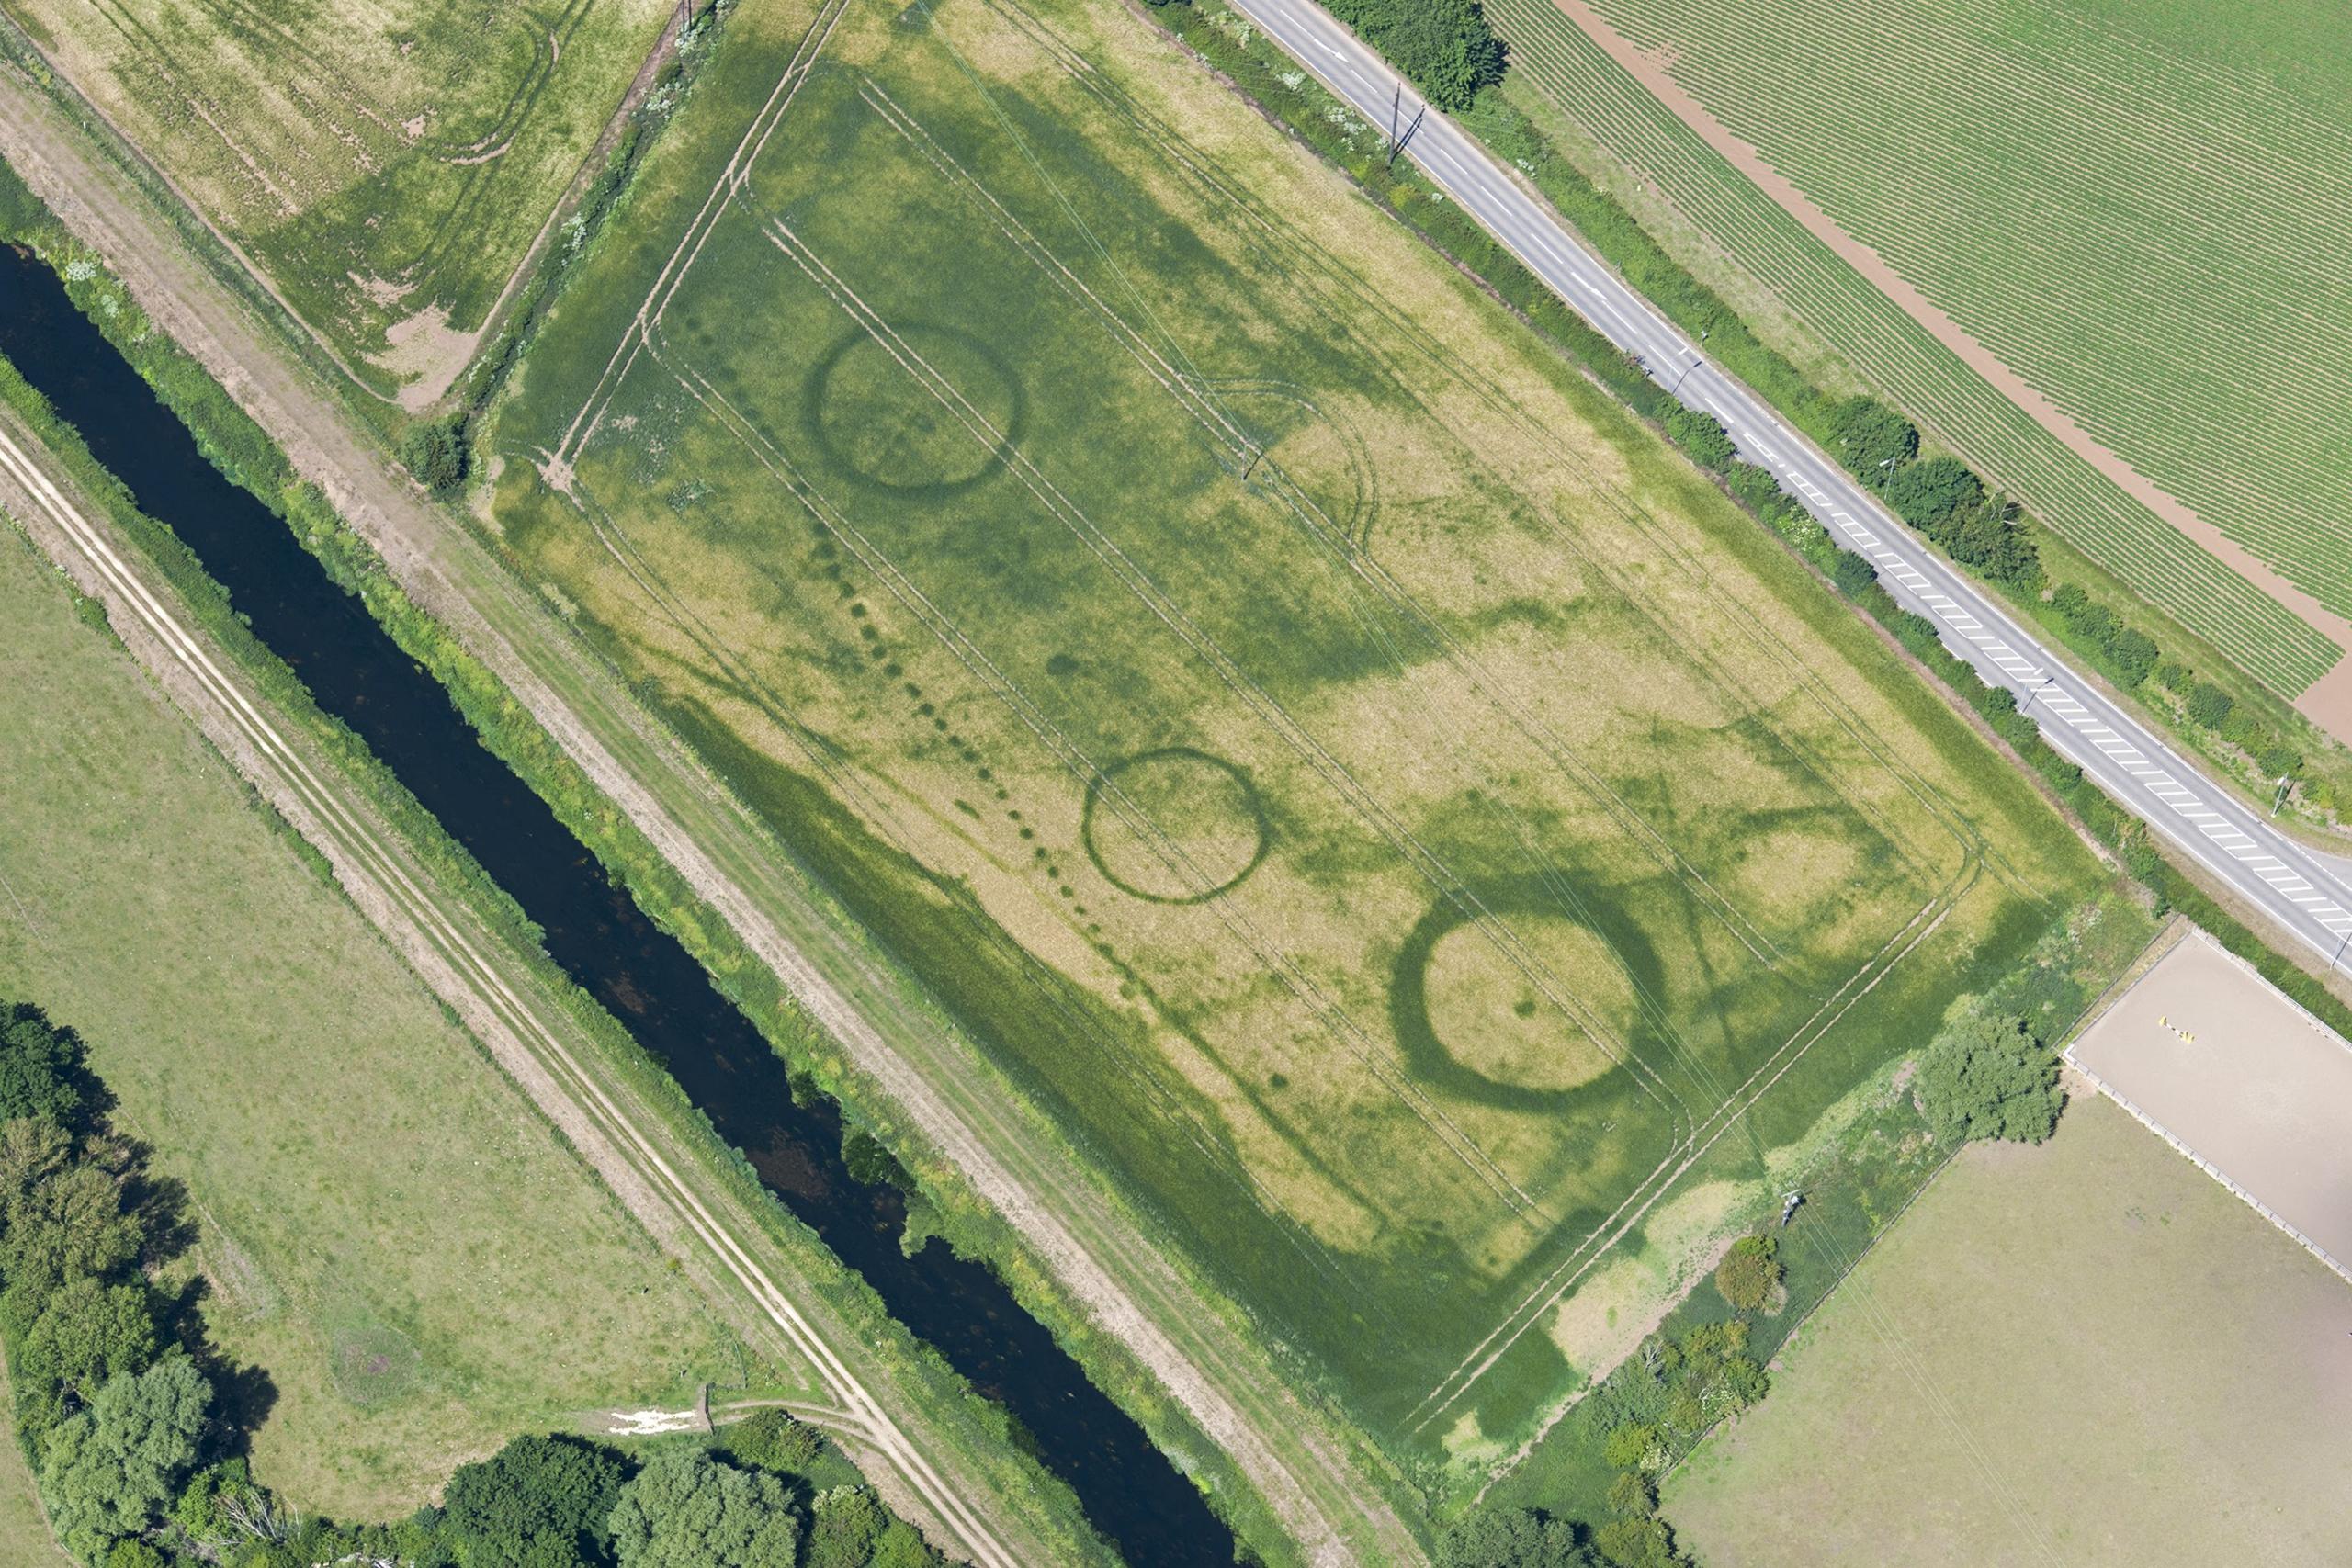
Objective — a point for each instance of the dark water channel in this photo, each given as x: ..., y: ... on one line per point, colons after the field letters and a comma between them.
x: 1131, y: 1492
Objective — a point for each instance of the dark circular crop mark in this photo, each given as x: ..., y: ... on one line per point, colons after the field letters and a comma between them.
x: 1539, y: 895
x: 1175, y: 826
x: 873, y: 410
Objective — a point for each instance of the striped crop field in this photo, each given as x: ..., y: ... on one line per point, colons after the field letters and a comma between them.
x: 2133, y: 209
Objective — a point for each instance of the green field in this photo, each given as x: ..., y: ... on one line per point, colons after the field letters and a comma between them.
x: 386, y: 163
x: 410, y: 1261
x: 25, y: 1540
x: 1405, y: 823
x: 2126, y: 200
x: 2087, y: 1353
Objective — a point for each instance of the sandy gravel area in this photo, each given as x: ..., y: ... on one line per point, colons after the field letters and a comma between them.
x: 2220, y: 1061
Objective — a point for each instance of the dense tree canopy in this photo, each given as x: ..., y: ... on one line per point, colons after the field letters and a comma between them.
x: 1444, y: 47
x: 1986, y: 1076
x: 40, y: 1067
x: 538, y: 1503
x: 685, y: 1510
x: 1511, y: 1538
x: 112, y: 1468
x: 88, y: 1332
x: 69, y: 1225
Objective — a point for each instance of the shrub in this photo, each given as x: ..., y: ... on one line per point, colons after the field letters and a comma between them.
x: 435, y: 452
x: 1702, y: 436
x: 2279, y: 761
x: 1749, y: 1273
x: 2175, y: 676
x: 2209, y: 706
x: 1852, y: 574
x: 1753, y: 485
x: 1871, y: 439
x: 777, y: 1440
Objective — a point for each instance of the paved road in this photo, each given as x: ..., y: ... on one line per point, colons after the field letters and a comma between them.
x: 2304, y: 894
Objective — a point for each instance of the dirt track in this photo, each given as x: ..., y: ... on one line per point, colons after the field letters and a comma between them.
x: 1115, y: 1273
x: 2327, y: 703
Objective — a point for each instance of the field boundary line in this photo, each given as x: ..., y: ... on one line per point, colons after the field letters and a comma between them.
x: 2199, y: 934
x: 2321, y: 700
x: 367, y: 853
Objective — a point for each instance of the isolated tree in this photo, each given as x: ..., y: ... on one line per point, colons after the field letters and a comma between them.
x: 777, y: 1440
x: 539, y: 1502
x: 1702, y: 436
x: 1510, y: 1537
x: 88, y: 1332
x: 109, y: 1469
x: 435, y: 452
x: 685, y: 1510
x: 1986, y: 1076
x: 41, y: 1067
x: 1749, y: 1273
x: 1871, y: 438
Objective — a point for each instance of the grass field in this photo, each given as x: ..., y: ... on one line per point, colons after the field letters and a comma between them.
x: 2121, y: 199
x: 1404, y: 822
x: 2087, y: 1353
x: 387, y: 162
x: 383, y: 1226
x: 25, y: 1538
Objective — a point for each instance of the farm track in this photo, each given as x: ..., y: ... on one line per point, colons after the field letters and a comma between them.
x: 2149, y: 470
x: 470, y: 970
x: 1321, y: 1491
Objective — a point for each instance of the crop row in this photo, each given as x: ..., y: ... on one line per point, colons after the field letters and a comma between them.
x: 2170, y: 284
x: 1554, y: 56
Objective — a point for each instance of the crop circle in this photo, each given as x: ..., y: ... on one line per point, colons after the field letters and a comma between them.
x: 1175, y: 826
x: 873, y: 410
x: 1493, y: 1006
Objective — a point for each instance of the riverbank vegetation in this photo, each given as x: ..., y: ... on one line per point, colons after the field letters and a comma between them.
x: 374, y: 1215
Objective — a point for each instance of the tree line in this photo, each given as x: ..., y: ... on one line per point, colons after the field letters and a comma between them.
x: 134, y: 1425
x: 1445, y: 47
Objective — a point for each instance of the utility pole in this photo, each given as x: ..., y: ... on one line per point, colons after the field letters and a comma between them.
x: 1397, y: 144
x: 2280, y: 799
x: 1675, y: 391
x: 2036, y: 691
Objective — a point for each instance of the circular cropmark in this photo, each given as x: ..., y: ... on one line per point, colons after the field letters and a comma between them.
x: 371, y: 1364
x: 1528, y: 1007
x: 931, y: 413
x: 1175, y: 826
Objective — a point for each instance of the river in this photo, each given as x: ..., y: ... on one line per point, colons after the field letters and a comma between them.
x: 595, y: 934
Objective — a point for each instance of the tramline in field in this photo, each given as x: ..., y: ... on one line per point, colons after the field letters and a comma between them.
x: 386, y: 163
x: 2124, y: 203
x: 1412, y: 832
